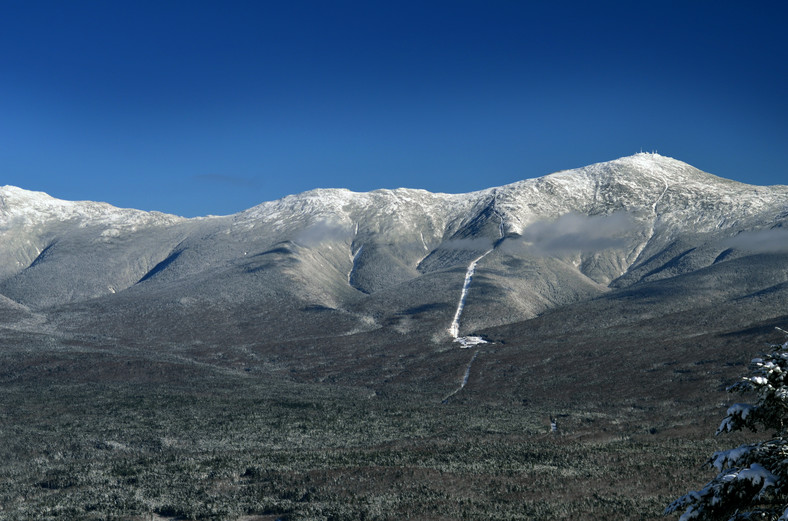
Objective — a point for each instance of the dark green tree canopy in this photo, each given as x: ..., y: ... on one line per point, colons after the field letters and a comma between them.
x: 752, y: 479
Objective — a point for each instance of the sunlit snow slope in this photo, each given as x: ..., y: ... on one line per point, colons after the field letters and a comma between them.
x: 333, y: 262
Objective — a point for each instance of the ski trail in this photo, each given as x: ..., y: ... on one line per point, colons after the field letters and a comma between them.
x: 465, y: 377
x: 454, y: 328
x: 468, y: 370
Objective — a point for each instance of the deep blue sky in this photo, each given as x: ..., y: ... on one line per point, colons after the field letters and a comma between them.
x: 196, y: 107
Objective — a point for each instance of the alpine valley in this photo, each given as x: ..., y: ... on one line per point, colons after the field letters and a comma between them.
x: 341, y: 355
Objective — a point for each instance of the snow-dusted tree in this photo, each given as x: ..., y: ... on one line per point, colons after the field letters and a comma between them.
x: 752, y: 480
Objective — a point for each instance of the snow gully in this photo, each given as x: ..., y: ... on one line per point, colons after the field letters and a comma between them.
x: 353, y: 260
x: 652, y: 230
x: 454, y: 328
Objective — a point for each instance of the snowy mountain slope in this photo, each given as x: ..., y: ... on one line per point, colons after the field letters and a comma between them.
x: 57, y: 251
x: 29, y: 221
x: 335, y: 262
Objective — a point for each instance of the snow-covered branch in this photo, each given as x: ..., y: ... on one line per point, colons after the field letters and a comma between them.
x: 752, y: 480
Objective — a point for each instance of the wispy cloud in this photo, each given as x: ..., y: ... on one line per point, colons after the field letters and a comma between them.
x: 573, y: 232
x: 774, y: 240
x: 322, y: 231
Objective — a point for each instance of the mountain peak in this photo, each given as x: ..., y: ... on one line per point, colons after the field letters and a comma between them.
x: 668, y: 168
x: 649, y: 169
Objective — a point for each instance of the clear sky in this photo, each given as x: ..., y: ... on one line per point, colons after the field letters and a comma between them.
x: 211, y: 107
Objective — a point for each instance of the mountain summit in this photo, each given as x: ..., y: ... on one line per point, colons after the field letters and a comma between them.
x: 398, y: 264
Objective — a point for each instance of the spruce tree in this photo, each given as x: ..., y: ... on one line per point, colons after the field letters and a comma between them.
x: 752, y: 479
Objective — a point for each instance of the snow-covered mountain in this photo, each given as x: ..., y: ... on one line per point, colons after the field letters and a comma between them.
x: 329, y: 263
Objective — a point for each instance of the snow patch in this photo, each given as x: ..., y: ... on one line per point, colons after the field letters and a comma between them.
x: 470, y: 341
x: 729, y: 458
x: 737, y: 410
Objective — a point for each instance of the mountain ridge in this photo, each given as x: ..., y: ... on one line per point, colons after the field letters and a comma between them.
x: 391, y: 259
x: 38, y: 202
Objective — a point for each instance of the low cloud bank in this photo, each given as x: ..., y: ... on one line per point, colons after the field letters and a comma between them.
x: 574, y: 232
x: 322, y: 231
x: 774, y: 240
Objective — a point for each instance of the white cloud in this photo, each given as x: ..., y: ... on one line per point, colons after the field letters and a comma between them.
x: 574, y: 232
x: 774, y: 240
x: 320, y: 232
